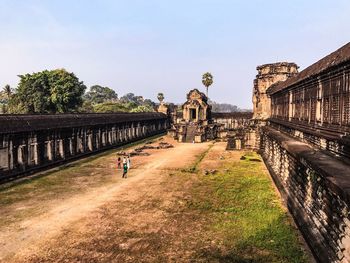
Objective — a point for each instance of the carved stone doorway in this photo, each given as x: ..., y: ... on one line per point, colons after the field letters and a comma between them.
x: 193, y: 114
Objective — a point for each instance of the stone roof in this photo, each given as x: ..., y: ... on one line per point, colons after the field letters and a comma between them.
x: 278, y: 64
x: 202, y: 95
x: 25, y: 122
x: 334, y: 59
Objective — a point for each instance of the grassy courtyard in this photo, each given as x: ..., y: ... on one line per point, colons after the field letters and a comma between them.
x: 190, y: 203
x: 247, y: 219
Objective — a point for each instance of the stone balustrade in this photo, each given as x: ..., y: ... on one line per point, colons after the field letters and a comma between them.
x: 29, y: 143
x: 316, y: 189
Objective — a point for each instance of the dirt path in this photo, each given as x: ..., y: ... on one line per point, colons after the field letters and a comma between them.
x: 190, y: 203
x: 28, y: 236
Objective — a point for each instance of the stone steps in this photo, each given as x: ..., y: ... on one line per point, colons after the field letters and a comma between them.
x: 190, y: 133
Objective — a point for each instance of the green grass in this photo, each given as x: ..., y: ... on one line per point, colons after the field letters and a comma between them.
x: 247, y: 217
x: 199, y: 158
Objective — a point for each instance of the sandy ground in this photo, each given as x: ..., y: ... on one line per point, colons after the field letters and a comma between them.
x: 144, y: 218
x: 128, y: 202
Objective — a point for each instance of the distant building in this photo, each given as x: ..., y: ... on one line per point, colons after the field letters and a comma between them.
x: 195, y: 124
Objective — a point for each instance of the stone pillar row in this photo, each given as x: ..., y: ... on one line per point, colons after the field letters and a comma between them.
x: 28, y: 151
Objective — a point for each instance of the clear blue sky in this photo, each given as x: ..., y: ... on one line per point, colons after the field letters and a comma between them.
x: 151, y: 46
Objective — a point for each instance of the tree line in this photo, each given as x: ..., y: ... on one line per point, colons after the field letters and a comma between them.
x: 59, y: 91
x: 223, y: 107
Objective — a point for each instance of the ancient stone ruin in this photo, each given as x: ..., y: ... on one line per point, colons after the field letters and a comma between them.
x: 196, y: 124
x: 29, y: 143
x: 303, y: 132
x: 268, y: 75
x: 300, y: 125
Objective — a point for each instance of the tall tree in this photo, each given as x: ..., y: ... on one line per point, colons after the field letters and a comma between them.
x: 99, y: 94
x: 207, y: 80
x: 55, y: 91
x: 5, y: 96
x: 148, y: 102
x: 160, y: 97
x: 142, y: 108
x: 129, y: 97
x: 8, y: 91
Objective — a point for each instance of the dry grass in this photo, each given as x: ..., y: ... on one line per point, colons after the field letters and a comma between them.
x: 181, y: 215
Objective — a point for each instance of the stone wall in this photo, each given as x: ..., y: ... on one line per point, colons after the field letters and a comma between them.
x: 29, y: 143
x: 232, y: 120
x: 320, y: 101
x: 237, y: 128
x: 306, y: 146
x: 269, y: 74
x: 316, y: 189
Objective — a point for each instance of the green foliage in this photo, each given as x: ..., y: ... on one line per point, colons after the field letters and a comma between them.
x: 160, y: 97
x: 148, y: 102
x: 207, y: 80
x: 109, y: 107
x: 127, y: 103
x: 99, y: 94
x: 130, y: 97
x: 55, y: 91
x: 86, y: 107
x: 120, y: 107
x: 246, y: 214
x: 7, y: 91
x: 5, y: 96
x: 142, y: 108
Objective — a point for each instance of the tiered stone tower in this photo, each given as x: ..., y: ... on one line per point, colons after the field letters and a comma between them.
x: 269, y: 74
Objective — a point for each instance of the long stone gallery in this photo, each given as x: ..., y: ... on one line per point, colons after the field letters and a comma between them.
x: 299, y: 126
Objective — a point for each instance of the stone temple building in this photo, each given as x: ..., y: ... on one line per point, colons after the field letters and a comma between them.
x: 269, y: 74
x: 302, y: 128
x: 195, y: 124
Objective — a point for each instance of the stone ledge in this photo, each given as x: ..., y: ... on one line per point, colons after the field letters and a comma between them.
x: 326, y: 131
x: 334, y: 171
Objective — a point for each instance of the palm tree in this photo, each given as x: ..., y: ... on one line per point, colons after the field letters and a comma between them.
x: 160, y: 97
x: 207, y: 80
x: 8, y: 91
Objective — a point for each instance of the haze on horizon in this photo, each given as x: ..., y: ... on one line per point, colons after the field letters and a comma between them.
x: 146, y: 47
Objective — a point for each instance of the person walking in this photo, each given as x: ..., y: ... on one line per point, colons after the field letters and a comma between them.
x: 119, y: 163
x: 125, y: 171
x: 128, y: 162
x: 125, y: 167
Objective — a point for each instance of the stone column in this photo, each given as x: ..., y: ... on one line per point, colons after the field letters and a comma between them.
x: 290, y: 108
x: 49, y: 150
x: 71, y: 148
x: 319, y: 117
x: 61, y: 148
x: 36, y: 154
x: 20, y: 155
x: 90, y: 144
x: 10, y: 154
